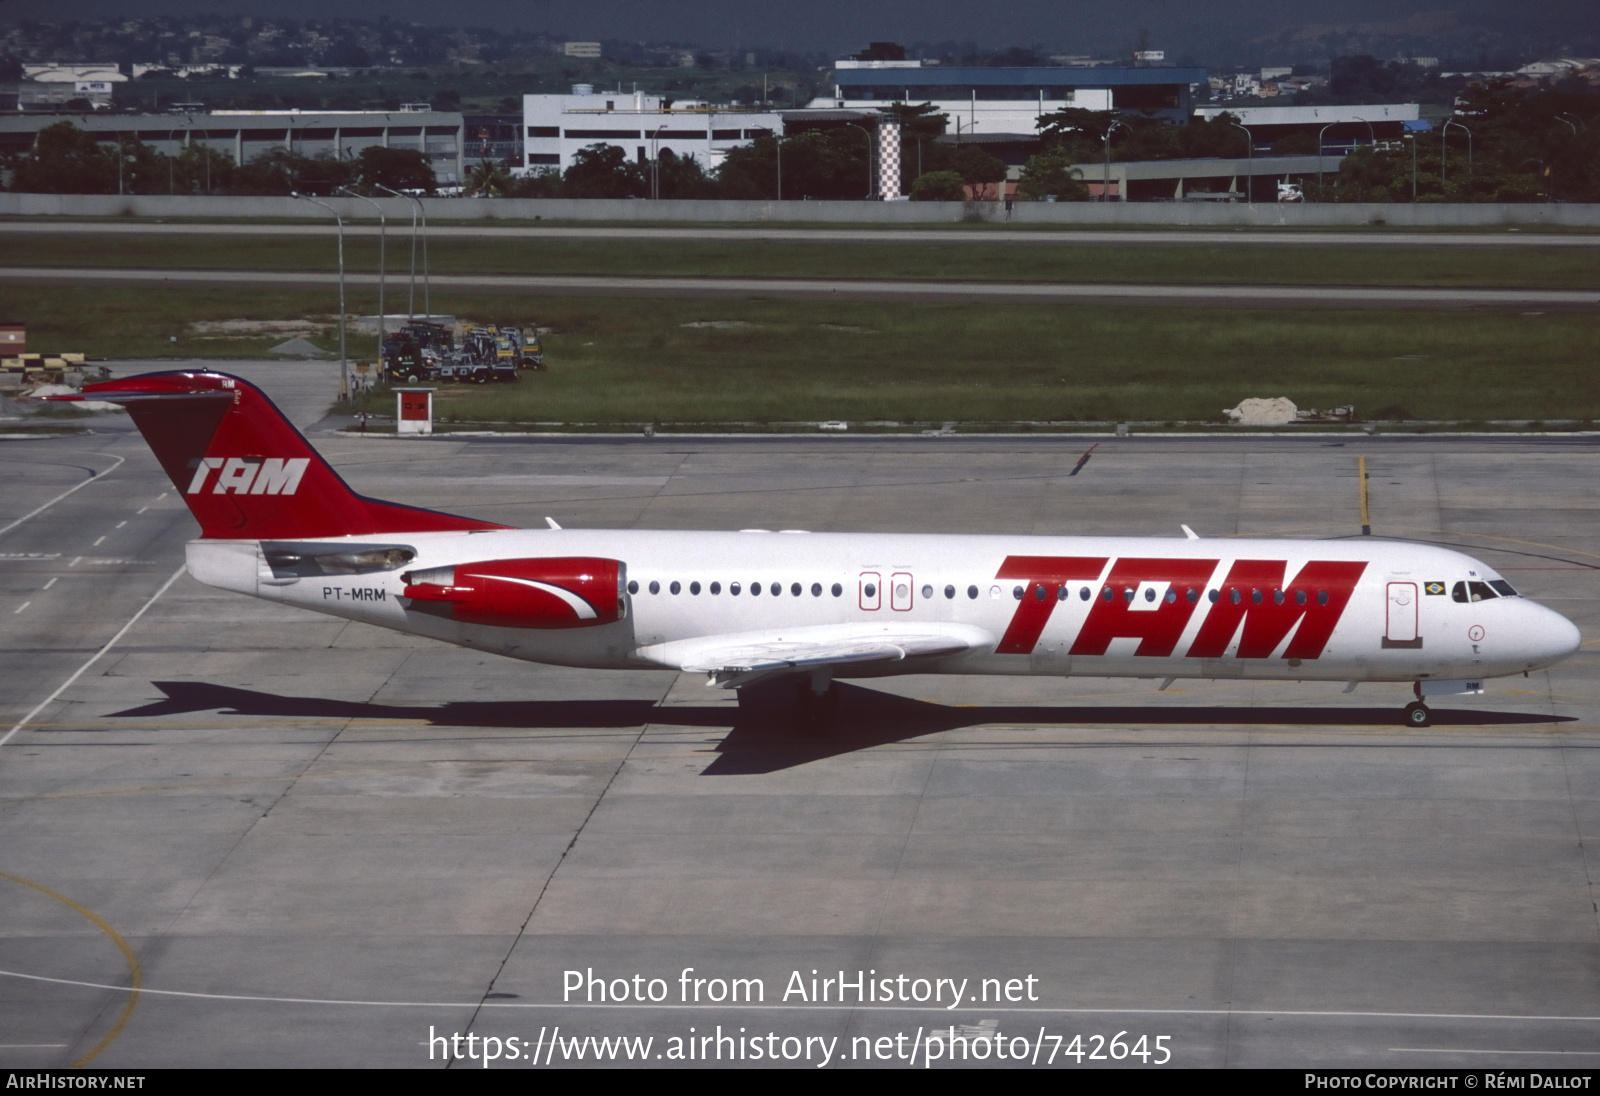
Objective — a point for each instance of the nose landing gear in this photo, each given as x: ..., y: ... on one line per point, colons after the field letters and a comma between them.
x: 1417, y: 715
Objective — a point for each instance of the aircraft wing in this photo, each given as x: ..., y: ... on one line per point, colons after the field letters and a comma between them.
x: 745, y: 657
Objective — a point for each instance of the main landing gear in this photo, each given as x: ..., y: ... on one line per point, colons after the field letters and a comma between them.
x: 816, y: 703
x: 1417, y: 715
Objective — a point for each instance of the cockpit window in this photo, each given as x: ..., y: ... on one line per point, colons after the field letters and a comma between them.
x: 1476, y: 591
x: 1503, y: 588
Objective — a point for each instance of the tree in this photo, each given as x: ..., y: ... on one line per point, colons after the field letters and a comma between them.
x: 66, y: 160
x: 939, y: 186
x: 543, y: 182
x: 603, y: 171
x: 395, y: 168
x: 681, y: 177
x: 1051, y: 173
x: 487, y: 179
x: 279, y: 171
x: 200, y: 169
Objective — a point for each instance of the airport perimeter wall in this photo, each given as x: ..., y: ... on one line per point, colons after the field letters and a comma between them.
x: 1063, y: 214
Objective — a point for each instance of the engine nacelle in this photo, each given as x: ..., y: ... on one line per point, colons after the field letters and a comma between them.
x: 560, y: 592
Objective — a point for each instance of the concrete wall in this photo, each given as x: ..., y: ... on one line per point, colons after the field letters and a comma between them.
x: 1064, y: 214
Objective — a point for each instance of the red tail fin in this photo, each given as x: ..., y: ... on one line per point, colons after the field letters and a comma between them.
x: 245, y: 471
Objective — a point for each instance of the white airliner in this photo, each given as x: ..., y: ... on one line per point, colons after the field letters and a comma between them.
x: 740, y: 607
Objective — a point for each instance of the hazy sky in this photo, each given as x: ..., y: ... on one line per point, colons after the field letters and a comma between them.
x: 846, y: 25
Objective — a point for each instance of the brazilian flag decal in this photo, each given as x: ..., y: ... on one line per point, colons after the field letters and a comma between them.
x: 1433, y: 587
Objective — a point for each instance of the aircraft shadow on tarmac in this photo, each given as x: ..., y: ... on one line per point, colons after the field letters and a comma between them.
x: 761, y: 737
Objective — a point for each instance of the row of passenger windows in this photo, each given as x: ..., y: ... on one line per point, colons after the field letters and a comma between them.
x: 1235, y: 594
x: 734, y: 588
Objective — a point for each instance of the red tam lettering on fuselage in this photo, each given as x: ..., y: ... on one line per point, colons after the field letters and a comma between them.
x: 1149, y: 600
x: 1043, y: 576
x: 1254, y: 592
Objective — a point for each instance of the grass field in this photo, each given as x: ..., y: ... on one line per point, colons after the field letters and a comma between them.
x: 1223, y: 263
x: 627, y: 362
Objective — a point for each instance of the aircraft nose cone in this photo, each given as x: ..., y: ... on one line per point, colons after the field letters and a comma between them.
x: 1554, y: 638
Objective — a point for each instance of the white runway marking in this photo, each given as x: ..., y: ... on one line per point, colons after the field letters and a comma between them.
x: 47, y: 701
x: 808, y: 1007
x: 98, y: 475
x: 21, y: 607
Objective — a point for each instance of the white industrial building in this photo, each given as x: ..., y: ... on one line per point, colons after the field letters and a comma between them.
x: 644, y: 126
x: 1010, y: 100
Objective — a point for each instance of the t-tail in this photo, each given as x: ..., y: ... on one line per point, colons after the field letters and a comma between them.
x: 245, y: 471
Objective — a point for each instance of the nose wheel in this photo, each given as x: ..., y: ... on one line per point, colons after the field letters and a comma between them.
x: 1418, y: 715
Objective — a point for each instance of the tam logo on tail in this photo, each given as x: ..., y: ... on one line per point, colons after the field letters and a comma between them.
x: 242, y: 476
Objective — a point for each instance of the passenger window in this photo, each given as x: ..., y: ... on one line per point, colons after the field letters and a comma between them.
x: 1106, y: 593
x: 1040, y: 593
x: 994, y: 592
x: 1212, y: 595
x: 816, y: 589
x: 1322, y: 597
x: 871, y: 590
x: 694, y: 587
x: 1277, y: 597
x: 1299, y: 597
x: 1016, y: 592
x: 1061, y: 593
x: 927, y: 591
x: 674, y: 587
x: 1149, y: 593
x: 733, y: 589
x: 1083, y: 594
x: 655, y: 587
x: 1255, y: 596
x: 755, y: 589
x: 633, y: 586
x: 776, y: 589
x: 1235, y: 596
x: 949, y: 592
x: 1171, y: 596
x: 716, y: 588
x: 1127, y: 594
x: 795, y: 589
x: 838, y: 590
x: 1193, y: 595
x: 972, y: 593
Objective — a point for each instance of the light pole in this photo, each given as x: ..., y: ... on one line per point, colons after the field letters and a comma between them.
x: 383, y: 265
x: 1320, y: 132
x: 777, y: 143
x: 1444, y: 147
x: 1249, y: 163
x: 171, y: 159
x: 344, y: 361
x: 427, y: 298
x: 655, y: 163
x: 868, y: 134
x: 1105, y: 181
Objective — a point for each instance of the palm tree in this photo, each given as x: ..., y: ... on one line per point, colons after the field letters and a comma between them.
x: 487, y: 179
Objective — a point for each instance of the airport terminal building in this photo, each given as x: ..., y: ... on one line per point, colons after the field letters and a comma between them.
x: 987, y: 101
x: 557, y: 127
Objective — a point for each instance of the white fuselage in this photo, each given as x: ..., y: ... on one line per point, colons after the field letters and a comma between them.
x: 1347, y: 610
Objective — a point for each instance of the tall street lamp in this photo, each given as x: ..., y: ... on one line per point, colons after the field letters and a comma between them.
x: 1105, y: 182
x: 427, y: 299
x: 1249, y: 164
x: 383, y: 265
x: 344, y: 361
x: 868, y: 134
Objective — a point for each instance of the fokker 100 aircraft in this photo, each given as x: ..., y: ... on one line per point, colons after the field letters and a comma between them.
x: 740, y: 607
